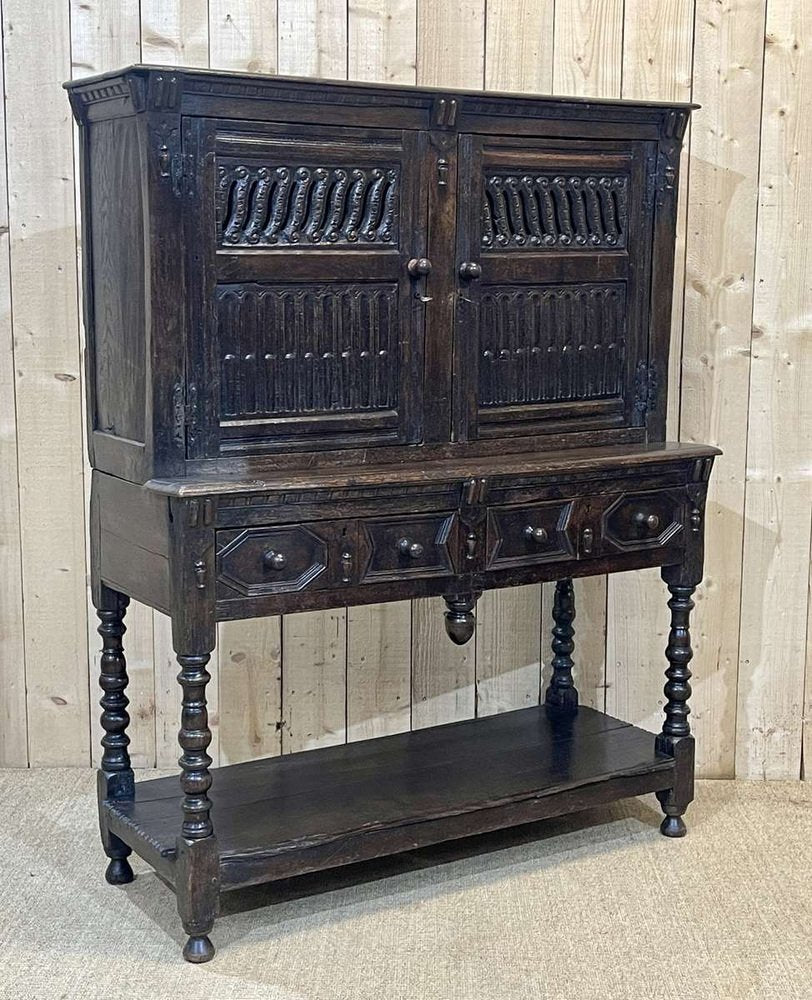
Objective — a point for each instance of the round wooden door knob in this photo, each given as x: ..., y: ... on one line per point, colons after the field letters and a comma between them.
x: 419, y: 267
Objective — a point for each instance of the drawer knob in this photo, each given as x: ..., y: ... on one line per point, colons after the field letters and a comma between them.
x: 419, y: 267
x: 469, y: 269
x: 274, y: 560
x: 538, y: 535
x: 409, y: 548
x: 648, y: 521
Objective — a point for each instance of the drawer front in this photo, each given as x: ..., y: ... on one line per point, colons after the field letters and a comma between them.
x: 399, y: 548
x: 529, y: 534
x: 642, y: 521
x: 255, y: 562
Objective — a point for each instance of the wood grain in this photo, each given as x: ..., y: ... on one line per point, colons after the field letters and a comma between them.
x: 13, y: 728
x: 657, y: 54
x: 313, y: 42
x: 519, y: 45
x: 47, y: 383
x: 313, y: 38
x: 778, y: 495
x: 451, y: 43
x: 668, y: 50
x: 176, y: 32
x: 588, y: 51
x: 243, y: 36
x: 381, y: 47
x: 451, y: 53
x: 716, y: 347
x: 103, y: 37
x: 587, y: 62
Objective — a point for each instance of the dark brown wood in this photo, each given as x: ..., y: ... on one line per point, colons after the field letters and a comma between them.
x: 285, y: 816
x: 115, y: 778
x: 561, y: 692
x: 351, y: 344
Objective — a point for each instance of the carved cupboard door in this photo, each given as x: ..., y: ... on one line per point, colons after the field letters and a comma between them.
x: 552, y: 262
x: 302, y: 306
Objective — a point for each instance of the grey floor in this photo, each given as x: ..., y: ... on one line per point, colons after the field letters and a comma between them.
x: 597, y: 905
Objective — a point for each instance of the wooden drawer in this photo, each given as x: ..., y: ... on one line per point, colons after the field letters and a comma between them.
x: 255, y: 562
x: 529, y: 534
x: 642, y: 520
x: 400, y: 548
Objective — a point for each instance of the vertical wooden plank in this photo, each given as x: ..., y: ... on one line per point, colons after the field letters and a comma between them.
x: 381, y: 40
x: 443, y: 675
x: 381, y: 47
x: 519, y: 45
x: 778, y: 491
x: 378, y: 669
x: 450, y: 53
x: 13, y: 719
x: 587, y: 62
x: 313, y: 38
x: 806, y: 749
x: 313, y: 42
x: 176, y: 32
x: 242, y: 36
x: 45, y: 327
x: 518, y: 57
x: 451, y: 43
x: 588, y: 49
x: 314, y: 678
x: 250, y: 689
x: 657, y: 54
x: 722, y: 203
x: 104, y: 37
x: 508, y: 658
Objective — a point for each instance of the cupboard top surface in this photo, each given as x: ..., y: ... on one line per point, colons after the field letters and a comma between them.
x: 228, y: 83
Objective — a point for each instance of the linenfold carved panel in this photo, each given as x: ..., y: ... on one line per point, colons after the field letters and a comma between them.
x: 289, y: 205
x: 295, y: 349
x: 550, y: 211
x: 555, y: 344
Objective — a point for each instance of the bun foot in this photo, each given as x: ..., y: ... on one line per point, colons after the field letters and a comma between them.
x: 673, y: 826
x: 119, y: 872
x: 198, y: 949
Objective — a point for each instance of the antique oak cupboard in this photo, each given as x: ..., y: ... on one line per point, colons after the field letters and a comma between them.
x: 349, y: 344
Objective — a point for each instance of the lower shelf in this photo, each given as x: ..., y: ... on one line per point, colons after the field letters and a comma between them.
x: 284, y: 816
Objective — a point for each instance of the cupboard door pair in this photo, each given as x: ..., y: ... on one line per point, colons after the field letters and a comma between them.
x: 352, y: 287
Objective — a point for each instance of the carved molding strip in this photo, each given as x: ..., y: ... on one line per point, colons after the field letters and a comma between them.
x: 292, y: 350
x: 552, y: 345
x: 300, y: 206
x: 551, y: 211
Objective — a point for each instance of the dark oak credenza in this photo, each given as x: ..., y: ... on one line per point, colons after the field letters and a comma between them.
x: 350, y: 344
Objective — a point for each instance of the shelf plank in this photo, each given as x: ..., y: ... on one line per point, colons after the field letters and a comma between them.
x: 336, y: 805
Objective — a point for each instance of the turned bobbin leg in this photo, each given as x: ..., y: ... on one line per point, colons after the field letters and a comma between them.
x: 561, y: 692
x: 197, y: 862
x: 115, y: 776
x: 676, y: 738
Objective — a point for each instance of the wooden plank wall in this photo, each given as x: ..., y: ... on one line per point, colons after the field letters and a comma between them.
x: 740, y: 378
